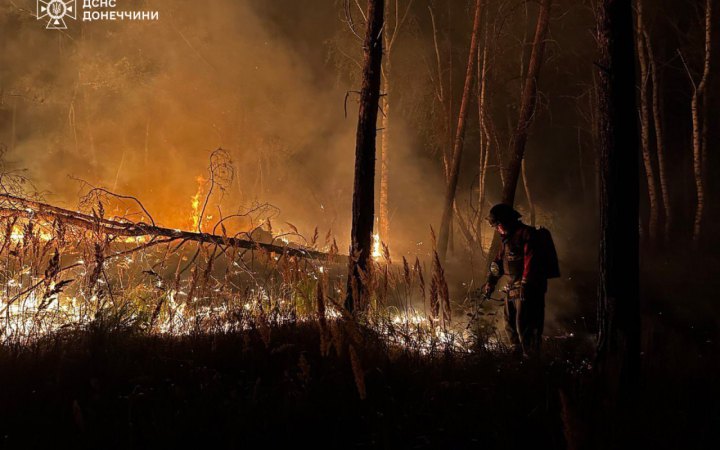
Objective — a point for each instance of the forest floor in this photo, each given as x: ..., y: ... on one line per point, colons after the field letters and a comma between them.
x: 95, y: 389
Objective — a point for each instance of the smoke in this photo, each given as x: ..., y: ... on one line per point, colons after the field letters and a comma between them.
x: 138, y: 106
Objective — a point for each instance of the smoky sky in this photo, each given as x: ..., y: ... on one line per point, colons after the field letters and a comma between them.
x: 138, y: 106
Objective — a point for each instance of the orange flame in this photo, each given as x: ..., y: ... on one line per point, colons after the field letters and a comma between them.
x: 195, y: 202
x: 377, y: 247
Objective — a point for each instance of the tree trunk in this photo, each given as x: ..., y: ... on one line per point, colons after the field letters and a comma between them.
x: 384, y: 216
x: 527, y: 112
x: 463, y: 226
x: 659, y: 139
x: 699, y: 133
x: 645, y: 127
x: 363, y: 207
x: 389, y: 37
x: 531, y: 205
x: 618, y: 344
x: 459, y: 139
x: 484, y: 139
x: 527, y: 104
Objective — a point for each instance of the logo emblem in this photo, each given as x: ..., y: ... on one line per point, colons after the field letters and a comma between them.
x: 56, y: 11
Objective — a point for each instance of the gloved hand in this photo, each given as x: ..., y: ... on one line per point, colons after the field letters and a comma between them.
x: 516, y: 291
x: 488, y: 289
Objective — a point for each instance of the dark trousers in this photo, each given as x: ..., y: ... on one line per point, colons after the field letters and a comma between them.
x: 524, y: 321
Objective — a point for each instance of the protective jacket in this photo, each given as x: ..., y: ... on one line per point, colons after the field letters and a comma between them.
x: 518, y: 258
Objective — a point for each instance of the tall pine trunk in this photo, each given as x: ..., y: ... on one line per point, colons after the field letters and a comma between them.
x: 363, y: 207
x: 618, y: 344
x: 454, y: 171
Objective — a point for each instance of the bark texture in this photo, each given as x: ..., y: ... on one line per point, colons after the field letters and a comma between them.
x: 699, y: 130
x: 363, y: 206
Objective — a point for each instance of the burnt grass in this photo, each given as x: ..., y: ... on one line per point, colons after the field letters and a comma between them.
x: 107, y: 390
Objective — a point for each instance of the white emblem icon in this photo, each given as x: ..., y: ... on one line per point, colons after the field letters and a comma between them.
x: 56, y: 11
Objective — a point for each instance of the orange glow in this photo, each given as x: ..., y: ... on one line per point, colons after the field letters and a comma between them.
x: 195, y: 202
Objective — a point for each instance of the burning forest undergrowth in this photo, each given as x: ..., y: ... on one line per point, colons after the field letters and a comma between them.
x: 69, y: 270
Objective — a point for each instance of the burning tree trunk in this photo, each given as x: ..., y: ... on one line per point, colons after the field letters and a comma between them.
x: 618, y: 345
x: 645, y: 126
x: 699, y: 132
x: 363, y: 208
x: 459, y: 139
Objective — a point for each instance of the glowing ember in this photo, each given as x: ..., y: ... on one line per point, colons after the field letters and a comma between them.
x: 135, y: 239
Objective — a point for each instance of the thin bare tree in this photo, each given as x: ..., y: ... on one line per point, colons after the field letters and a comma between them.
x: 391, y: 33
x: 658, y: 126
x: 485, y: 138
x: 454, y: 172
x: 644, y: 109
x: 528, y: 99
x: 527, y: 104
x: 699, y: 133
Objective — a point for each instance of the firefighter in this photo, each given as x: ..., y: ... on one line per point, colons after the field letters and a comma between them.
x: 518, y: 260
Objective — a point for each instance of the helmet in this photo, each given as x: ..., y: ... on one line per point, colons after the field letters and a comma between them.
x: 504, y: 214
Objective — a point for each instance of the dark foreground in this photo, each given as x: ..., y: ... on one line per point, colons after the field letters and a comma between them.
x: 128, y: 390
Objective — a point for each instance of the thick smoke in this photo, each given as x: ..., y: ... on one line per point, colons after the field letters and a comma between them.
x: 137, y: 107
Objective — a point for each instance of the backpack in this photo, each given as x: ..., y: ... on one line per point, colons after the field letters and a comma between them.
x: 548, y: 254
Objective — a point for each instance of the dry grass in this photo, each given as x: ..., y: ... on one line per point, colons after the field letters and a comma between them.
x: 59, y: 277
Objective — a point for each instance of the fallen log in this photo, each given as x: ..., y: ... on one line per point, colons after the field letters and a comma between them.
x: 30, y: 209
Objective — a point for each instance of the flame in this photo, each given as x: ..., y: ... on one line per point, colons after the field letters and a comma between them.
x: 135, y: 239
x: 195, y: 202
x: 18, y: 234
x: 377, y: 247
